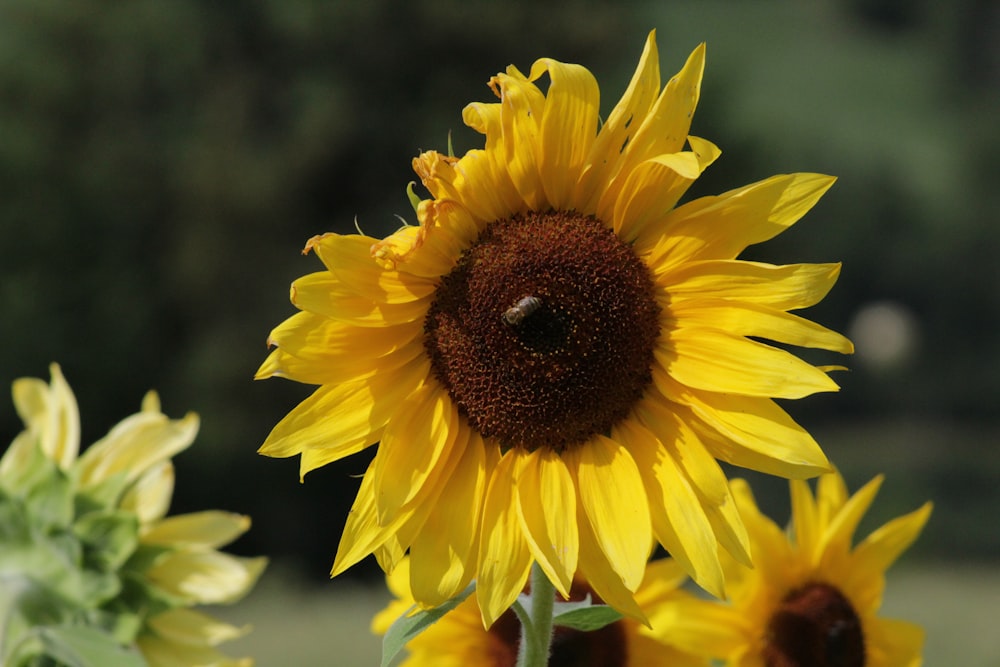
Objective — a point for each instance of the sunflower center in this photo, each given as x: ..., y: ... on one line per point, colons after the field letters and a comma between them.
x: 543, y: 333
x: 815, y: 626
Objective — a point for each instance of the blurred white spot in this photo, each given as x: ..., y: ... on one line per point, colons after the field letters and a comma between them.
x: 885, y: 334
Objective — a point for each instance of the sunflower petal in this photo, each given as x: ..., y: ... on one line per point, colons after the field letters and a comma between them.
x: 723, y: 362
x: 605, y: 159
x: 344, y: 418
x: 604, y: 577
x: 521, y: 105
x: 207, y: 529
x: 613, y: 497
x: 416, y: 443
x: 442, y: 557
x: 754, y: 433
x: 547, y: 509
x: 568, y: 127
x: 504, y: 557
x: 363, y: 533
x: 748, y: 319
x: 349, y: 258
x: 881, y: 548
x: 679, y: 519
x: 722, y: 226
x: 787, y: 287
x: 895, y: 643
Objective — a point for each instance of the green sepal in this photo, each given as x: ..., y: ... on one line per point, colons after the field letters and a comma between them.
x: 50, y: 502
x: 103, y: 496
x: 15, y: 529
x: 409, y: 625
x: 412, y: 196
x: 37, y: 469
x: 109, y: 538
x: 74, y: 647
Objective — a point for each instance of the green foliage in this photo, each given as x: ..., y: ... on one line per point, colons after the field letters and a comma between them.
x: 412, y: 623
x: 584, y: 616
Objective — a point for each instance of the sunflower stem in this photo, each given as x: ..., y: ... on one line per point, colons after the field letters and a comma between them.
x: 536, y: 630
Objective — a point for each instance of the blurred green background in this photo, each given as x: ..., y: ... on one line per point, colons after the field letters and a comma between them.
x: 163, y: 163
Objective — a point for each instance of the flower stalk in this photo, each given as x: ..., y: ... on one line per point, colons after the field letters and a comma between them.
x: 536, y: 623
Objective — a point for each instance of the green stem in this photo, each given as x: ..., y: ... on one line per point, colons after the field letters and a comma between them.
x: 536, y: 630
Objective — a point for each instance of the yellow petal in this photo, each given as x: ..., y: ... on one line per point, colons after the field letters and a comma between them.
x: 347, y: 417
x: 522, y: 105
x: 679, y: 518
x: 50, y: 413
x: 325, y: 294
x: 755, y: 433
x: 787, y: 287
x: 604, y: 578
x: 209, y: 529
x: 881, y: 548
x: 613, y: 497
x: 149, y: 498
x: 720, y: 361
x: 363, y: 533
x: 135, y: 445
x: 650, y: 191
x: 317, y: 350
x: 568, y: 127
x: 616, y: 133
x: 443, y: 554
x: 839, y: 534
x: 665, y: 127
x: 160, y: 652
x: 805, y: 518
x: 504, y: 558
x: 701, y: 470
x: 205, y: 576
x: 893, y: 643
x: 748, y: 319
x: 416, y: 444
x: 722, y: 226
x: 349, y: 258
x: 186, y: 626
x: 547, y: 509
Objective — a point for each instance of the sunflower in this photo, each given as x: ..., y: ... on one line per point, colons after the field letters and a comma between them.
x: 459, y: 639
x: 812, y: 597
x: 91, y: 548
x: 554, y: 359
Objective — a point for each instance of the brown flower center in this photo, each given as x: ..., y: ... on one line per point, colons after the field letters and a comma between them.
x: 543, y: 333
x: 815, y: 626
x: 604, y: 647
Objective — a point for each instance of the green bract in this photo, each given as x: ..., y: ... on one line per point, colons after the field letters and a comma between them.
x: 92, y: 571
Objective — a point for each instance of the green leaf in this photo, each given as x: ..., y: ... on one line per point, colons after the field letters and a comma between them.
x: 79, y: 647
x: 406, y: 627
x: 588, y: 619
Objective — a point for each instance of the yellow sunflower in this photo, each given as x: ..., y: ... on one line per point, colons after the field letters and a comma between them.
x: 555, y: 357
x: 812, y: 597
x: 143, y: 570
x: 459, y: 639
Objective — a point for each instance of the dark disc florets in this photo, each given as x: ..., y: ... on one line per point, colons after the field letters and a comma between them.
x: 815, y: 626
x: 543, y: 333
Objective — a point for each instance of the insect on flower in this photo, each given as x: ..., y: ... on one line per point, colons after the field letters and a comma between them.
x: 520, y: 310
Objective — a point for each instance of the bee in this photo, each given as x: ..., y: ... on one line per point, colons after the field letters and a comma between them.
x: 525, y: 306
